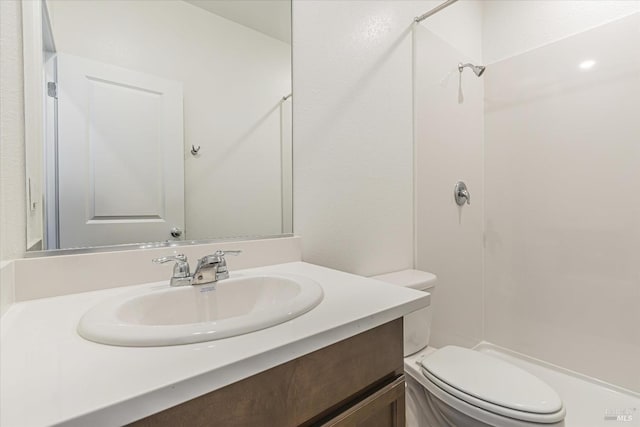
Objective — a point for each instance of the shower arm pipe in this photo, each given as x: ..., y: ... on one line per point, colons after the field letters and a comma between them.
x: 434, y: 10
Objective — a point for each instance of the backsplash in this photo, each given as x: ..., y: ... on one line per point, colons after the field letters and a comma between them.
x: 67, y: 274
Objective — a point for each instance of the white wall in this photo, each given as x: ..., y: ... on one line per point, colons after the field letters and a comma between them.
x: 514, y: 27
x: 352, y: 133
x: 562, y: 220
x: 459, y: 25
x: 234, y: 78
x: 450, y: 147
x: 353, y: 186
x: 12, y: 160
x: 33, y: 101
x: 12, y: 157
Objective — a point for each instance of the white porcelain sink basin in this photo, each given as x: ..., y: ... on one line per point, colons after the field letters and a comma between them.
x: 162, y: 315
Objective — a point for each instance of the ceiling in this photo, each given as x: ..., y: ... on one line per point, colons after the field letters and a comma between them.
x: 271, y: 17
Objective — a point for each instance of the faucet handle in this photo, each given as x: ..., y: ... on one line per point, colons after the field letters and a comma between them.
x: 215, y: 258
x: 180, y: 269
x: 177, y: 258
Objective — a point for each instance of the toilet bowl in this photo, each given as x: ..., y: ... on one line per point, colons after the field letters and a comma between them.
x: 458, y: 387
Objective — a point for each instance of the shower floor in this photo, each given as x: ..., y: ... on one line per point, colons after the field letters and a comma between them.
x: 587, y: 401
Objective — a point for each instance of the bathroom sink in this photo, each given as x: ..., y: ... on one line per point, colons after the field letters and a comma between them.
x: 164, y: 315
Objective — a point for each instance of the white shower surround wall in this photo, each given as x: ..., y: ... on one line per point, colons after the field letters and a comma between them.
x: 449, y: 148
x: 234, y: 79
x: 511, y: 305
x: 514, y: 27
x: 562, y: 279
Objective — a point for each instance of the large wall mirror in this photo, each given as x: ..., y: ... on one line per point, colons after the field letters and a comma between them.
x: 161, y: 121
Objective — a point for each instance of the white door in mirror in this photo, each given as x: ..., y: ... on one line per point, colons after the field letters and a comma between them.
x: 159, y: 316
x: 120, y: 154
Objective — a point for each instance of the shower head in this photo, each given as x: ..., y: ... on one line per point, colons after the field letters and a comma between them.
x: 477, y: 69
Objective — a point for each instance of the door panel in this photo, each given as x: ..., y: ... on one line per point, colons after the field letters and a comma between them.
x: 121, y: 161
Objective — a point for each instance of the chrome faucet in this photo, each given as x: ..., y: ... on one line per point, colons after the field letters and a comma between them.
x: 210, y: 268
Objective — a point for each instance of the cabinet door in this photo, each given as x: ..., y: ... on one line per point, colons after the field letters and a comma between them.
x: 384, y: 408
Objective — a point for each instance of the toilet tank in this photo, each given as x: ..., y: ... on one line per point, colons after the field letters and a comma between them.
x: 417, y: 325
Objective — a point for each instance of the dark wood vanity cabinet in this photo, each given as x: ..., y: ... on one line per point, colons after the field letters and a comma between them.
x: 382, y: 408
x: 355, y: 382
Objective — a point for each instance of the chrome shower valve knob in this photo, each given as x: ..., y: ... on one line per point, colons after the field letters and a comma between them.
x: 461, y: 194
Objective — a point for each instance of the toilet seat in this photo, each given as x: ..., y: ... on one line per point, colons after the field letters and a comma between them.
x: 491, y: 384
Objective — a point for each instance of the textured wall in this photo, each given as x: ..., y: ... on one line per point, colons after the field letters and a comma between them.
x: 353, y: 129
x: 12, y: 175
x: 352, y: 135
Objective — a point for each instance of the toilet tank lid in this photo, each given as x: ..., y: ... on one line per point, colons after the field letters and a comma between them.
x: 415, y: 279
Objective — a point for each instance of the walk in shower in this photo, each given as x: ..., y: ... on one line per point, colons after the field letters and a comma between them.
x: 546, y: 259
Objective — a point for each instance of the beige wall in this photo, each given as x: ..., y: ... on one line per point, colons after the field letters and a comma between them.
x: 12, y: 174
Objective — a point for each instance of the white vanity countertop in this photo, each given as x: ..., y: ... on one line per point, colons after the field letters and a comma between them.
x: 49, y: 375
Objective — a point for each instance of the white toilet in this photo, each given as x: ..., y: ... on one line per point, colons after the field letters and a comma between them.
x: 459, y: 387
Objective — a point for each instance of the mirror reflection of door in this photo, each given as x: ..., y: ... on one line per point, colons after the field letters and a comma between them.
x: 116, y: 161
x: 121, y: 170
